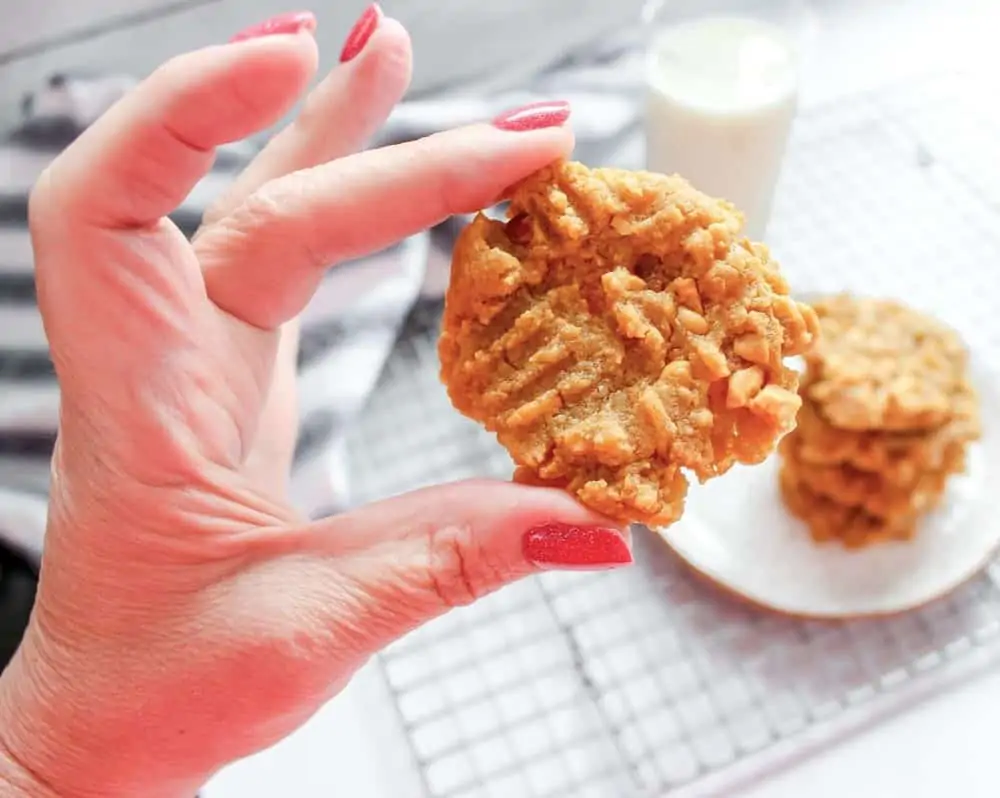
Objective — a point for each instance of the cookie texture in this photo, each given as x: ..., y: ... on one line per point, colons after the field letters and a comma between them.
x: 895, y: 457
x: 880, y: 365
x: 617, y: 332
x: 876, y: 493
x: 851, y: 527
x: 887, y: 416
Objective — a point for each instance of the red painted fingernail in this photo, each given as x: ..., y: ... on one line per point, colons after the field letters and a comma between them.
x: 549, y: 113
x: 290, y: 22
x: 567, y: 546
x: 361, y: 33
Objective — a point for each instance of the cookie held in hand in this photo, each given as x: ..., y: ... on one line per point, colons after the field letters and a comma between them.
x: 617, y: 332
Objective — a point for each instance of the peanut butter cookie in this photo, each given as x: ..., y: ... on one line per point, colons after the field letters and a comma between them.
x: 617, y: 331
x: 887, y: 416
x: 872, y: 491
x: 852, y: 527
x: 897, y: 457
x: 881, y: 365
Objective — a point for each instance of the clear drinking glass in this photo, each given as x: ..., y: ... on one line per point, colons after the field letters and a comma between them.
x: 721, y: 92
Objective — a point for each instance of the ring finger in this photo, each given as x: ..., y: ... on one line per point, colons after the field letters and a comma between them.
x: 339, y: 116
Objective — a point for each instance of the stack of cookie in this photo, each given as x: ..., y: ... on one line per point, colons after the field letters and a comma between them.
x: 888, y: 412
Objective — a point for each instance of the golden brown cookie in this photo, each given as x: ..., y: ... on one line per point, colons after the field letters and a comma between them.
x: 879, y: 365
x: 896, y: 456
x: 888, y: 412
x: 829, y: 521
x: 617, y: 330
x: 871, y: 491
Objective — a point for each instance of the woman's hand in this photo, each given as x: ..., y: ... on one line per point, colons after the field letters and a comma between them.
x: 187, y: 616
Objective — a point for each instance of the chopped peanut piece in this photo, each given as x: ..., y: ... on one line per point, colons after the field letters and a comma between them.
x: 619, y: 334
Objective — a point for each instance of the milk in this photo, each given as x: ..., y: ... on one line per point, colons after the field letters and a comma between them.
x: 721, y: 94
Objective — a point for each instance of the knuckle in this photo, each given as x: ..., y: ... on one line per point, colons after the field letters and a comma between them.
x: 167, y: 78
x: 461, y: 569
x: 444, y: 183
x: 259, y: 214
x: 171, y: 76
x: 264, y: 206
x: 279, y: 210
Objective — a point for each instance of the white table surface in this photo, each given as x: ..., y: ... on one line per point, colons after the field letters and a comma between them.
x: 945, y: 744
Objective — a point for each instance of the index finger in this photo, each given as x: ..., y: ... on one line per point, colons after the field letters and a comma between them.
x: 263, y: 262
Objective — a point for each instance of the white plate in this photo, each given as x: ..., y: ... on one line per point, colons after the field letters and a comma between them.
x: 737, y: 532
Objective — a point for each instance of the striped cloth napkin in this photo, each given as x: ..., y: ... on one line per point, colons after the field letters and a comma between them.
x: 352, y: 323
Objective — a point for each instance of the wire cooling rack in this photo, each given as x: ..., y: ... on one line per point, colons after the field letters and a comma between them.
x: 647, y: 682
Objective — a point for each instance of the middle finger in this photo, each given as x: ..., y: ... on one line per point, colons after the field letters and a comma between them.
x: 339, y: 116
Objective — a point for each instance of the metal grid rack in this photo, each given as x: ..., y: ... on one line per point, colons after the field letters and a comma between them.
x: 647, y: 681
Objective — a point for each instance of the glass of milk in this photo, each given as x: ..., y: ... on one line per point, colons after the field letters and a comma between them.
x: 721, y: 83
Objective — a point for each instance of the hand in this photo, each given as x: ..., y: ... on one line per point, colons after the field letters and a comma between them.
x: 187, y: 616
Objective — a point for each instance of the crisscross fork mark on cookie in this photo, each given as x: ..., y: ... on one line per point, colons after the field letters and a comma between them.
x: 618, y: 330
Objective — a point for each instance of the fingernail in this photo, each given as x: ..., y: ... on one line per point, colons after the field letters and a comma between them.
x: 567, y: 546
x: 361, y: 33
x: 290, y: 22
x: 549, y: 113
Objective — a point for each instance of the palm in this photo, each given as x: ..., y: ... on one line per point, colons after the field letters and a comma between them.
x: 164, y: 382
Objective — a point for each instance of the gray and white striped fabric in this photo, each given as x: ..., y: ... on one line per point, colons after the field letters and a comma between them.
x: 348, y: 329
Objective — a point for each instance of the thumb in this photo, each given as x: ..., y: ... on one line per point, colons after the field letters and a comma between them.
x: 407, y: 560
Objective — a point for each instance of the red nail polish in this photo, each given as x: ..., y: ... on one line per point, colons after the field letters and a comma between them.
x: 549, y: 113
x: 290, y: 22
x: 568, y: 546
x: 361, y: 33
